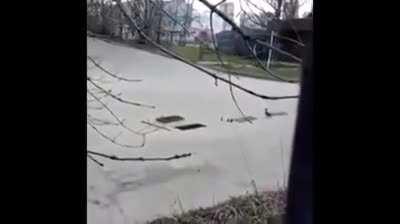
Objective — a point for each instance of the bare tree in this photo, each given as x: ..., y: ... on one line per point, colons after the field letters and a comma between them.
x: 291, y: 9
x: 97, y: 96
x: 188, y: 18
x: 141, y: 17
x: 286, y: 8
x: 276, y: 5
x: 146, y: 12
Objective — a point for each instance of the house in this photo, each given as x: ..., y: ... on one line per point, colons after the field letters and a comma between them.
x: 300, y: 30
x: 230, y: 42
x: 225, y: 40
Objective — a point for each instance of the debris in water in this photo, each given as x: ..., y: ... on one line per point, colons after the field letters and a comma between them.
x: 241, y: 119
x: 269, y: 114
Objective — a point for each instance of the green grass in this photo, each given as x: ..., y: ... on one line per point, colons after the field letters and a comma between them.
x: 228, y: 58
x: 191, y: 53
x: 196, y: 54
x: 243, y: 66
x: 255, y: 72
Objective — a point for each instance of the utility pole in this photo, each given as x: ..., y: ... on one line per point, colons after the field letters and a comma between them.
x: 270, y: 50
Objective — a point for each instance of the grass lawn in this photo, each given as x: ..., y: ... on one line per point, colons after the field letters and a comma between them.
x: 243, y: 66
x: 255, y: 72
x: 196, y: 54
x: 191, y: 53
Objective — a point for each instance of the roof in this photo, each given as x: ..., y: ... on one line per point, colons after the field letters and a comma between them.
x: 304, y: 24
x: 281, y: 26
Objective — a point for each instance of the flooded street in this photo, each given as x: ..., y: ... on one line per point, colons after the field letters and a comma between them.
x: 226, y: 156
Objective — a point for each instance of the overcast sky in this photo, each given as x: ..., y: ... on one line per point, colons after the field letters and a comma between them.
x: 306, y: 7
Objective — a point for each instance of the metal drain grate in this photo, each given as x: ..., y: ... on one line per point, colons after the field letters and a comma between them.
x: 189, y: 126
x: 169, y: 119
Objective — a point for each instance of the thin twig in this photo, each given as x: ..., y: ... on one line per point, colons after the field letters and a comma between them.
x: 113, y: 157
x: 248, y: 38
x: 266, y: 44
x: 236, y: 103
x: 174, y: 55
x: 113, y: 114
x: 99, y: 97
x: 290, y: 39
x: 241, y: 33
x: 99, y: 121
x: 94, y: 108
x: 181, y: 25
x: 262, y: 66
x: 223, y: 64
x: 113, y: 140
x: 169, y: 16
x: 216, y: 51
x: 110, y: 73
x: 118, y: 98
x: 94, y: 160
x: 155, y: 125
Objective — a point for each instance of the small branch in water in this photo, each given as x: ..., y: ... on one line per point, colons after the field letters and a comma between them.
x: 94, y: 160
x: 114, y: 141
x: 116, y: 97
x: 113, y: 157
x: 155, y: 125
x: 110, y: 73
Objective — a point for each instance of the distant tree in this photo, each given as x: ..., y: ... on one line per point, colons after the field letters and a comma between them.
x: 147, y: 13
x: 291, y: 9
x: 187, y: 21
x: 277, y: 6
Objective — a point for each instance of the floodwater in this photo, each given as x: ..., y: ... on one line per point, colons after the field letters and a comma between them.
x: 226, y: 156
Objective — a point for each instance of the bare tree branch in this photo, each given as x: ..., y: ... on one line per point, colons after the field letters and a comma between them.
x: 258, y: 21
x: 174, y: 55
x: 155, y: 125
x: 170, y: 16
x: 110, y: 73
x: 223, y: 64
x: 248, y: 38
x: 261, y: 65
x: 113, y: 157
x: 94, y: 108
x: 279, y: 50
x: 290, y: 39
x: 99, y: 122
x: 118, y: 98
x: 114, y: 115
x: 245, y: 36
x: 113, y: 140
x: 181, y: 25
x: 94, y: 160
x: 248, y: 3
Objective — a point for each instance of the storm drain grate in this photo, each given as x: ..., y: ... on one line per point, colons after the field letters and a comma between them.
x: 189, y: 126
x: 169, y: 119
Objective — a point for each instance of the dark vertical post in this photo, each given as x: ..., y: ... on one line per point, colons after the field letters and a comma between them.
x: 300, y: 195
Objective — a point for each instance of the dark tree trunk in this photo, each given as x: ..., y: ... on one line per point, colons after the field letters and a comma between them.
x: 278, y: 11
x: 300, y: 196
